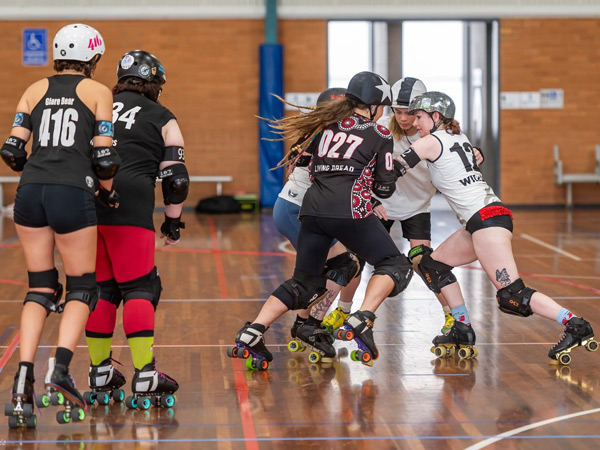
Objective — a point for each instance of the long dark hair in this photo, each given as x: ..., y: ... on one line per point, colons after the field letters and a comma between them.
x: 86, y: 68
x: 143, y: 87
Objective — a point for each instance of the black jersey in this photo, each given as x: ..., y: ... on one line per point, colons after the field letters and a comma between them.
x: 350, y: 155
x: 138, y: 123
x: 63, y: 127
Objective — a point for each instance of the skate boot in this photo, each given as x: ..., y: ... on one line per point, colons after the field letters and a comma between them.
x: 20, y: 409
x: 295, y: 345
x: 61, y: 390
x: 250, y: 345
x: 151, y: 387
x: 460, y: 339
x: 312, y: 335
x: 334, y: 320
x: 578, y: 331
x: 449, y: 321
x: 359, y: 327
x: 105, y: 382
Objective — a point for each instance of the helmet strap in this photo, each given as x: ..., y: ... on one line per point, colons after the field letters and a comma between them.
x: 372, y: 113
x: 435, y: 125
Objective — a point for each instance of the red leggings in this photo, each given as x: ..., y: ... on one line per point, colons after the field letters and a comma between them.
x: 124, y: 253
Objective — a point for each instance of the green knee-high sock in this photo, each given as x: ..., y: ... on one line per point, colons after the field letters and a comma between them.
x: 99, y: 348
x: 141, y: 350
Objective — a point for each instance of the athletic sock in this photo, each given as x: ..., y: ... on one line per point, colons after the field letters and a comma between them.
x: 345, y: 306
x: 446, y: 310
x: 63, y: 356
x: 563, y: 316
x: 141, y: 350
x: 99, y: 348
x: 460, y: 314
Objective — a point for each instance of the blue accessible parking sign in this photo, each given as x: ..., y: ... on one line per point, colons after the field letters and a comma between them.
x: 35, y: 47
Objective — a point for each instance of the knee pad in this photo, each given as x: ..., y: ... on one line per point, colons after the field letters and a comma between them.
x: 45, y: 279
x: 301, y: 291
x: 435, y: 274
x: 515, y: 298
x: 416, y: 254
x: 147, y: 287
x: 83, y: 289
x: 342, y: 268
x: 109, y: 291
x: 398, y: 268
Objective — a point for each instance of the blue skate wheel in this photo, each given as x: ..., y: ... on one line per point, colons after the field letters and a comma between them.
x: 89, y: 397
x: 118, y: 395
x: 167, y: 401
x: 131, y: 402
x: 144, y: 403
x: 103, y: 398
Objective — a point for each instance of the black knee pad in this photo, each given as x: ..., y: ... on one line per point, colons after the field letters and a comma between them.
x: 45, y: 279
x: 435, y: 274
x: 361, y: 263
x: 416, y: 254
x: 342, y: 268
x: 147, y: 287
x: 83, y: 289
x: 398, y: 268
x: 109, y: 291
x: 301, y: 291
x: 515, y: 299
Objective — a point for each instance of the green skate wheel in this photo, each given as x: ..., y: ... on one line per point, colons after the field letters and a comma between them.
x: 565, y: 359
x: 8, y: 409
x: 31, y: 422
x: 57, y: 398
x: 250, y: 364
x: 353, y: 355
x: 144, y: 403
x: 42, y: 401
x: 62, y: 417
x: 314, y: 357
x: 118, y: 395
x: 293, y: 346
x: 77, y: 414
x: 167, y: 401
x: 13, y: 422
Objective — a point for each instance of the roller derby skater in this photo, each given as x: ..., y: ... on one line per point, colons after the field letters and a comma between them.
x: 250, y: 345
x: 151, y: 387
x: 578, y: 332
x: 310, y: 334
x: 105, y: 382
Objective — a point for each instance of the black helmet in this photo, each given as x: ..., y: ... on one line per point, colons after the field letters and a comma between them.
x: 369, y: 88
x: 331, y: 94
x: 141, y: 64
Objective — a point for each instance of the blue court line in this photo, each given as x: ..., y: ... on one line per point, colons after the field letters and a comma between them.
x: 293, y: 439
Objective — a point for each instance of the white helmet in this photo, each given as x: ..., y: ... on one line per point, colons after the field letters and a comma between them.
x: 77, y: 42
x: 405, y: 90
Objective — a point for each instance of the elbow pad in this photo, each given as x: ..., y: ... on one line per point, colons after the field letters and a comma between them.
x: 411, y: 157
x: 105, y: 162
x: 14, y: 154
x: 175, y: 184
x: 384, y: 189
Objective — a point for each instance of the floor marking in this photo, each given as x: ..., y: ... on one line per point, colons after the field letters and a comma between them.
x: 551, y: 247
x: 10, y: 349
x: 218, y: 261
x: 499, y: 437
x: 244, y: 403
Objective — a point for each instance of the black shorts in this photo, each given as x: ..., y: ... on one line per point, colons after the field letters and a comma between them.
x: 493, y: 215
x: 416, y: 227
x: 63, y: 208
x: 365, y: 237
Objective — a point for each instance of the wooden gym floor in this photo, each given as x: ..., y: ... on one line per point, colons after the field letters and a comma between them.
x: 218, y: 277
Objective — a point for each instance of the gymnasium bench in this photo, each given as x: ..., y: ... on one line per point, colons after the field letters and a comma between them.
x: 569, y: 178
x: 218, y: 179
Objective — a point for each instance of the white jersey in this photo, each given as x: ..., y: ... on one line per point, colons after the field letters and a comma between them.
x: 413, y: 190
x: 296, y: 186
x: 456, y: 175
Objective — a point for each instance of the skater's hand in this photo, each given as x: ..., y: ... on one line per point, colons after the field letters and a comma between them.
x: 170, y: 229
x: 380, y: 212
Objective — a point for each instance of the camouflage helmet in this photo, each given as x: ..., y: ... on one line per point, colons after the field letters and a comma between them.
x: 431, y: 102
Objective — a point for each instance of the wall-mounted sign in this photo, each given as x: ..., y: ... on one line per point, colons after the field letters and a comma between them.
x: 35, y: 47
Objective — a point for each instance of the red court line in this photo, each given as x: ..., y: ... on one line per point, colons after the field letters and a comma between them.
x: 9, y: 245
x: 245, y: 409
x: 231, y: 252
x: 10, y: 350
x: 20, y: 283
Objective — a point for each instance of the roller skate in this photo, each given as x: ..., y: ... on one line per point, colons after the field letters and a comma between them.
x: 359, y: 327
x: 578, y: 331
x: 310, y: 334
x: 250, y: 345
x: 460, y: 340
x: 105, y: 382
x: 334, y: 320
x: 449, y: 321
x: 61, y: 390
x: 151, y: 387
x: 20, y: 409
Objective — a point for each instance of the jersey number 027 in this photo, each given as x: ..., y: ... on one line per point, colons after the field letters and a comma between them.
x: 338, y: 139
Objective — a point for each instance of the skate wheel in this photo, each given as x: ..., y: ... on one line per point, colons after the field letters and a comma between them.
x: 591, y: 346
x: 250, y: 364
x: 475, y: 352
x: 103, y: 398
x: 293, y: 346
x: 167, y: 401
x: 8, y: 409
x: 263, y: 365
x: 245, y: 354
x: 314, y: 357
x: 57, y: 398
x: 31, y: 422
x: 439, y: 351
x: 89, y: 397
x: 62, y: 417
x: 348, y: 335
x: 313, y: 369
x: 366, y: 358
x: 354, y: 356
x: 144, y: 403
x: 131, y: 402
x: 77, y: 414
x: 118, y: 395
x: 232, y: 352
x: 464, y: 353
x: 27, y: 410
x: 42, y: 401
x: 565, y: 359
x: 13, y: 422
